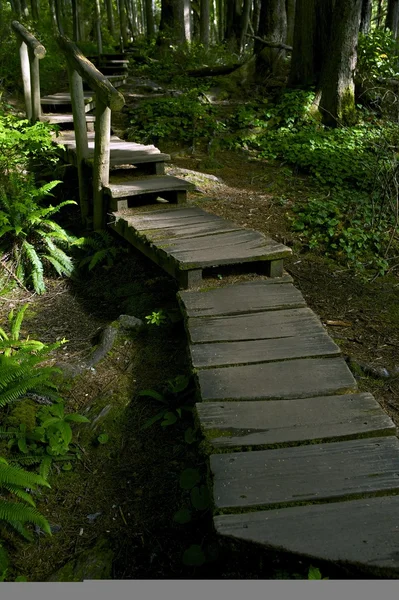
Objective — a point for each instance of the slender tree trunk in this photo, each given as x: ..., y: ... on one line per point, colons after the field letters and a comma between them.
x: 220, y: 19
x: 75, y: 21
x: 123, y: 22
x: 290, y: 8
x: 365, y: 19
x: 246, y: 9
x: 256, y: 15
x: 149, y: 13
x: 187, y: 20
x: 337, y: 101
x: 35, y: 6
x: 110, y: 17
x: 98, y: 27
x: 392, y: 18
x: 379, y: 13
x: 204, y: 23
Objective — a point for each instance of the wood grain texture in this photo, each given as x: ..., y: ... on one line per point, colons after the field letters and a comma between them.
x: 135, y: 187
x: 305, y: 473
x: 293, y: 322
x: 241, y: 298
x: 258, y: 351
x: 300, y: 378
x: 359, y: 532
x: 257, y: 423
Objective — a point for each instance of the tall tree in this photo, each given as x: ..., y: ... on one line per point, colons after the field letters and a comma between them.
x: 273, y: 27
x: 392, y: 18
x: 149, y: 17
x: 337, y: 100
x: 311, y: 43
x: 365, y: 19
x: 290, y: 8
x: 204, y: 22
x: 172, y: 20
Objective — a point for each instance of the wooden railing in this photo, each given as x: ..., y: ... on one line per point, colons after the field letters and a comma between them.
x: 30, y: 51
x: 107, y: 98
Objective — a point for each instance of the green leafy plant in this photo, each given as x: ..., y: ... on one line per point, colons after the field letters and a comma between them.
x: 173, y: 398
x: 29, y: 239
x: 315, y: 574
x: 157, y: 317
x: 103, y: 438
x: 98, y: 249
x: 193, y: 483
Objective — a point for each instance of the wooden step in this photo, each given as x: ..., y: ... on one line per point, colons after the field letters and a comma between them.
x: 167, y: 187
x: 155, y: 233
x: 62, y: 100
x: 299, y: 378
x: 254, y: 296
x: 311, y: 473
x: 228, y: 425
x: 362, y: 533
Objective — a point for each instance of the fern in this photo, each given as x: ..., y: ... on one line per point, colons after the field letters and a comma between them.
x: 97, y: 249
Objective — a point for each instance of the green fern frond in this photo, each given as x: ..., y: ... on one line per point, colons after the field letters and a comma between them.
x: 97, y: 258
x: 19, y: 528
x: 22, y: 494
x: 45, y: 467
x: 36, y: 267
x: 16, y: 322
x: 45, y: 189
x: 13, y: 475
x: 26, y: 460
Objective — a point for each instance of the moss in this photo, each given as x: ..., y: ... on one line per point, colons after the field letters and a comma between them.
x: 347, y: 107
x: 23, y: 413
x: 95, y: 563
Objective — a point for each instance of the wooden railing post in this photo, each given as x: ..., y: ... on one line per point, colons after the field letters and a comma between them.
x: 31, y: 51
x: 107, y: 98
x: 101, y: 162
x: 26, y: 81
x: 82, y: 148
x: 35, y: 85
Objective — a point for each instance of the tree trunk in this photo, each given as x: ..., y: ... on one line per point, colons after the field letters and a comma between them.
x: 123, y: 23
x: 273, y: 27
x: 75, y: 21
x: 204, y: 23
x: 256, y: 15
x: 290, y: 8
x: 233, y: 22
x: 149, y: 13
x: 172, y: 21
x: 246, y: 9
x: 337, y: 91
x: 110, y: 17
x: 365, y: 19
x: 379, y: 13
x: 220, y: 19
x: 392, y: 18
x: 187, y: 20
x: 311, y: 40
x: 35, y: 9
x: 98, y: 27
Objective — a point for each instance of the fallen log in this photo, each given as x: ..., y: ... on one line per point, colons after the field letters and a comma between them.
x: 213, y: 71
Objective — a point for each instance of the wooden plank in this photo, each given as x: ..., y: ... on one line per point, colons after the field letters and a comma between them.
x: 241, y: 298
x: 300, y: 378
x: 259, y: 351
x: 360, y: 532
x: 224, y: 249
x: 312, y: 473
x: 234, y: 424
x: 255, y: 326
x: 64, y: 118
x: 149, y: 185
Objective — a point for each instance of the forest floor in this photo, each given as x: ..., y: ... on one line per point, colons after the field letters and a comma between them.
x: 127, y: 490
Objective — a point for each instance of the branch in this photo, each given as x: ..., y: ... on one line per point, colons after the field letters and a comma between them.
x: 269, y: 43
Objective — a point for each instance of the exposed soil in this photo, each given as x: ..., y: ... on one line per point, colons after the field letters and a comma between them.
x: 133, y: 480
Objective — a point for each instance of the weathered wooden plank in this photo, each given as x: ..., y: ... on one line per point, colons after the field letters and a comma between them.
x: 64, y: 118
x: 359, y: 532
x: 241, y: 298
x: 299, y: 378
x: 258, y: 351
x: 234, y: 424
x: 149, y: 185
x: 312, y: 473
x: 224, y: 249
x: 255, y: 326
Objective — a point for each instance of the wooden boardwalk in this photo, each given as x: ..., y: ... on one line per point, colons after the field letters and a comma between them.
x: 299, y: 460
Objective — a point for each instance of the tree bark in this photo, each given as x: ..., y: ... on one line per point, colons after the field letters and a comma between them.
x: 187, y: 20
x: 337, y: 90
x: 256, y: 15
x: 98, y: 27
x: 35, y: 9
x: 392, y: 18
x: 246, y: 10
x: 311, y: 43
x: 290, y: 8
x: 149, y: 13
x: 204, y: 23
x: 233, y: 21
x: 172, y: 21
x: 365, y: 19
x: 110, y: 17
x: 273, y: 27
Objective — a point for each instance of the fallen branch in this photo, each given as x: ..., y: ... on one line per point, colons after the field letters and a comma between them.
x: 270, y: 44
x: 213, y: 71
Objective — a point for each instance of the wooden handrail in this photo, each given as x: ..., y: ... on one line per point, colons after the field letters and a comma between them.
x: 33, y: 44
x: 107, y: 98
x: 98, y: 82
x: 30, y: 52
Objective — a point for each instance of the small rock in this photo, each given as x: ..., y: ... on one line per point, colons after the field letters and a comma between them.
x: 129, y: 322
x: 93, y: 517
